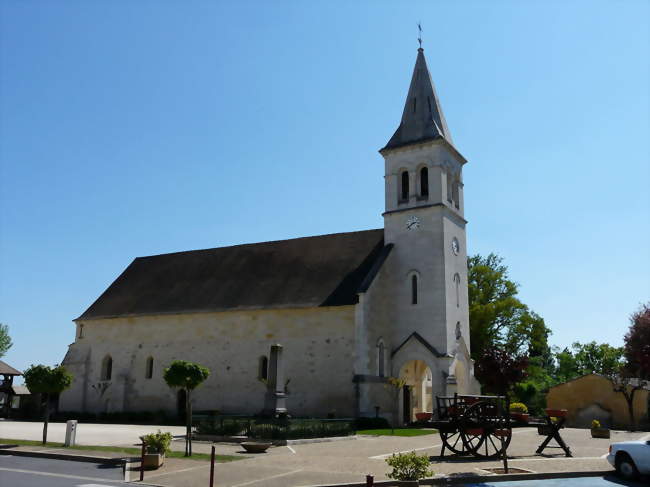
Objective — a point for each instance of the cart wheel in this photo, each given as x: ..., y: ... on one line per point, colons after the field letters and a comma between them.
x: 453, y: 441
x: 491, y: 446
x: 485, y: 430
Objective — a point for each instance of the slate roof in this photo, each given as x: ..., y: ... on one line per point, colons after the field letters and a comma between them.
x: 6, y: 369
x: 327, y: 270
x: 422, y: 118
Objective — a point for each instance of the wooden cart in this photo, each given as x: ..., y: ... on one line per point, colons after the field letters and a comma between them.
x: 474, y: 425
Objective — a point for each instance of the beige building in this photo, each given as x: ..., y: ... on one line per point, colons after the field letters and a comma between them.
x: 592, y: 397
x: 349, y: 309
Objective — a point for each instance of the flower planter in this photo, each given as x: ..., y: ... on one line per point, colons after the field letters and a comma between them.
x: 600, y: 433
x: 520, y: 417
x: 422, y: 417
x: 255, y: 447
x: 153, y: 461
x: 556, y: 413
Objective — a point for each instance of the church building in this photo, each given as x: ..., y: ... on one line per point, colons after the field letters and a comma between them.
x: 349, y: 309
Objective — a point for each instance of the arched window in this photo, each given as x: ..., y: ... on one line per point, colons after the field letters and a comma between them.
x: 107, y: 368
x: 424, y: 182
x: 149, y: 370
x: 455, y: 193
x: 381, y: 359
x: 449, y: 186
x: 81, y: 331
x: 263, y: 372
x: 414, y: 289
x: 457, y: 284
x: 405, y: 185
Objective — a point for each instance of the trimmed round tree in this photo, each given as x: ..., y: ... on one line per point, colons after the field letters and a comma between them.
x: 47, y: 381
x: 187, y: 376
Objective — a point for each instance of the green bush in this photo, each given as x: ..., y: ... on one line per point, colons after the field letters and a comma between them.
x: 274, y: 429
x: 408, y: 466
x: 518, y: 407
x: 157, y: 442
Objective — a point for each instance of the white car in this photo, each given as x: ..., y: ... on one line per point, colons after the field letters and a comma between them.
x: 630, y: 458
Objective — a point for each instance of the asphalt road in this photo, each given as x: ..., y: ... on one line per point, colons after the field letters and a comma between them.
x: 609, y: 481
x: 42, y: 472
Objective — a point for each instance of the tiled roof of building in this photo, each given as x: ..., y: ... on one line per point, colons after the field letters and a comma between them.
x: 327, y: 270
x: 6, y: 369
x: 422, y: 118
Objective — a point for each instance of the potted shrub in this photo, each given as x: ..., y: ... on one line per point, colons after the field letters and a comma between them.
x: 156, y: 446
x: 597, y: 431
x: 519, y: 412
x: 408, y: 468
x: 423, y: 417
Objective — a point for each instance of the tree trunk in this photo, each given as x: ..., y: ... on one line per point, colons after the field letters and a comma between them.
x: 188, y: 424
x: 46, y: 417
x: 630, y: 408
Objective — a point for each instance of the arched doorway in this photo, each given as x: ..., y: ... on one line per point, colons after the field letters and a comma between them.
x: 417, y: 395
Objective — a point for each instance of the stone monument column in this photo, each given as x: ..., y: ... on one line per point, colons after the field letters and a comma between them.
x: 275, y: 403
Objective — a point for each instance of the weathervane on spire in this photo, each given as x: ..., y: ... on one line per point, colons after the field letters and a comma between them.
x: 420, y: 34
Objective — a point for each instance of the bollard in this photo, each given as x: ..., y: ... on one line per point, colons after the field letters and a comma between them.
x: 70, y: 433
x: 142, y: 462
x: 370, y: 481
x: 212, y: 467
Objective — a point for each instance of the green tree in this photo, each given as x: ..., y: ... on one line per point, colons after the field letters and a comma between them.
x: 187, y: 376
x: 5, y: 340
x: 394, y: 385
x: 597, y: 358
x: 497, y: 318
x: 47, y: 381
x: 634, y: 373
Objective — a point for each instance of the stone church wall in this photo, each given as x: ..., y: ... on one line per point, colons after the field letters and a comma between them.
x: 318, y: 360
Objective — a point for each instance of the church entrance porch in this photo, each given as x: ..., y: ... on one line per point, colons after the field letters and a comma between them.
x: 417, y: 394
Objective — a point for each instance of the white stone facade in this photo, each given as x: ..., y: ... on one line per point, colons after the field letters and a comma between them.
x: 411, y: 321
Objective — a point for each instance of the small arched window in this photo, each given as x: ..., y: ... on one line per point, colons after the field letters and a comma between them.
x: 457, y: 283
x: 263, y: 372
x: 149, y: 369
x: 424, y: 182
x: 405, y: 186
x: 107, y: 368
x: 381, y: 359
x: 81, y: 331
x: 455, y: 193
x: 414, y: 289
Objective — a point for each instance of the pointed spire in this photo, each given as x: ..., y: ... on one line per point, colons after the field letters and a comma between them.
x: 422, y: 118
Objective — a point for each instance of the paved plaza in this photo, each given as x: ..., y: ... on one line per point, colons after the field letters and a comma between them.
x: 334, y: 462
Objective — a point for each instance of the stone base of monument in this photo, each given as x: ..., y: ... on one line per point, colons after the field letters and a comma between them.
x: 255, y: 447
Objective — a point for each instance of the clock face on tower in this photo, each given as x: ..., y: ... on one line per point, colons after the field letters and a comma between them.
x: 413, y: 223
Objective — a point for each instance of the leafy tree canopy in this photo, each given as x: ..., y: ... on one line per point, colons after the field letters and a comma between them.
x: 185, y: 375
x: 498, y: 370
x: 497, y: 318
x: 5, y: 340
x: 47, y: 380
x: 637, y: 344
x: 587, y: 358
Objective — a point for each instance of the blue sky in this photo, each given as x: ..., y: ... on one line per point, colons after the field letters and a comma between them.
x: 137, y: 128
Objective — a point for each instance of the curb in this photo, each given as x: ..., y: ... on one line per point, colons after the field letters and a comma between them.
x: 478, y: 479
x: 61, y: 456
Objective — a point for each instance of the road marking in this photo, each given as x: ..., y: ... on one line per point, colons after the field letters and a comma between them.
x: 292, y: 450
x: 61, y: 475
x: 386, y: 455
x: 177, y: 471
x: 268, y: 478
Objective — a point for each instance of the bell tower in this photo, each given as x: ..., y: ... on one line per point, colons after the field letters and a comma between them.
x: 424, y: 221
